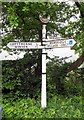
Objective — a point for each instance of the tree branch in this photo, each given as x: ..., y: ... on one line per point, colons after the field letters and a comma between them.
x: 79, y: 6
x: 76, y: 64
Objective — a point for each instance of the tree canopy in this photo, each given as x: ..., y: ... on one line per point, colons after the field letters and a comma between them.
x: 21, y: 21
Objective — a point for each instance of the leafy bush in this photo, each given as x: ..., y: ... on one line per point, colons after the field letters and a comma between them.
x: 63, y: 91
x: 73, y: 83
x: 24, y: 108
x: 69, y: 107
x: 17, y: 78
x: 65, y: 83
x: 58, y: 107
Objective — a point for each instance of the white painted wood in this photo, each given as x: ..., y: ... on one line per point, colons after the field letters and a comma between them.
x: 43, y: 89
x: 43, y: 92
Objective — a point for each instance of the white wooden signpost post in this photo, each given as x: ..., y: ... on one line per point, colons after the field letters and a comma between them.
x: 45, y: 44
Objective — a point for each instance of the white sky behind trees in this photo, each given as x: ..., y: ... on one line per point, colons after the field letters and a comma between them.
x: 61, y: 52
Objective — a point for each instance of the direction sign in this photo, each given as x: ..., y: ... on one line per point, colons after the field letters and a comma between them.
x: 50, y: 43
x: 26, y: 45
x: 53, y: 43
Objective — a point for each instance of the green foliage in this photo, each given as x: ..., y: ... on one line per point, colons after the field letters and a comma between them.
x: 80, y: 38
x: 19, y: 78
x: 65, y: 83
x: 23, y: 108
x: 23, y: 18
x: 73, y: 83
x: 58, y: 107
x: 64, y: 104
x: 17, y: 104
x: 69, y: 107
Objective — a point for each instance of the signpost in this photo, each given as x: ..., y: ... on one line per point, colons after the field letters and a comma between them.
x: 45, y: 44
x: 53, y: 43
x: 27, y: 45
x: 43, y: 89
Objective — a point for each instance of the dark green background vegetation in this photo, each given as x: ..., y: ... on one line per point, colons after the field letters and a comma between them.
x: 21, y: 96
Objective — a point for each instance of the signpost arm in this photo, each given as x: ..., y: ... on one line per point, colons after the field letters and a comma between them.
x: 43, y: 90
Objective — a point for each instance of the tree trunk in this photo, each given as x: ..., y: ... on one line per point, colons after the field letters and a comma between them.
x: 76, y: 64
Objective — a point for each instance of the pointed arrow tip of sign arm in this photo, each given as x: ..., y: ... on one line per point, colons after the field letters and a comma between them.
x: 70, y: 42
x: 9, y: 45
x: 74, y: 42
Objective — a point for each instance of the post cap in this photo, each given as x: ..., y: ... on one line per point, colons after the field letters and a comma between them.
x: 44, y: 19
